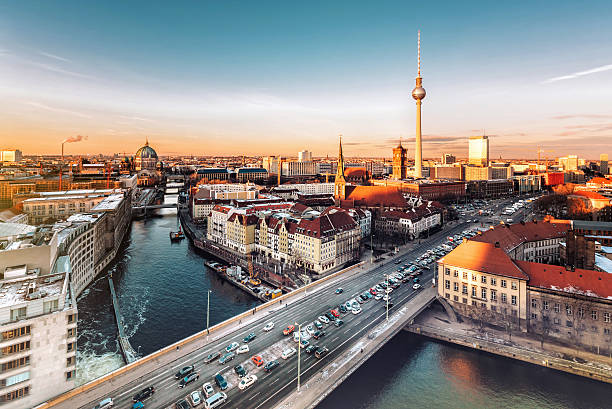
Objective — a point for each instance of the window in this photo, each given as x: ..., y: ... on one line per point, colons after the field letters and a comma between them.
x: 569, y: 324
x: 455, y: 273
x: 464, y: 275
x: 15, y: 379
x: 545, y: 305
x: 7, y: 366
x: 18, y: 313
x: 483, y: 279
x: 483, y: 293
x: 568, y: 309
x: 447, y: 295
x: 474, y: 304
x: 447, y: 271
x: 447, y: 284
x: 49, y: 306
x: 456, y: 286
x: 464, y: 300
x: 503, y: 283
x: 493, y: 295
x: 70, y: 346
x: 594, y: 315
x: 455, y: 298
x: 504, y: 298
x: 514, y: 300
x: 474, y: 291
x: 493, y: 281
x: 71, y: 332
x: 534, y: 316
x: 19, y: 393
x: 514, y: 285
x: 556, y: 321
x: 70, y: 361
x: 606, y: 317
x: 534, y: 304
x: 464, y: 289
x: 606, y: 331
x: 557, y: 307
x: 15, y: 333
x: 72, y: 318
x: 474, y: 277
x: 12, y: 349
x: 493, y: 308
x: 70, y: 375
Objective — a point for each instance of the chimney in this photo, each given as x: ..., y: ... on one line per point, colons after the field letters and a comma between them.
x: 497, y: 244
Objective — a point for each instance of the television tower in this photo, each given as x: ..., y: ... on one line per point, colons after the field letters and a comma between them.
x: 418, y: 93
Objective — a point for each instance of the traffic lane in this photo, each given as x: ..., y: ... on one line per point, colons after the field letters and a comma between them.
x: 352, y: 282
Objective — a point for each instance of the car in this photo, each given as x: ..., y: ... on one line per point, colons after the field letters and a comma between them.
x: 105, y: 403
x: 249, y: 338
x: 212, y: 357
x: 318, y: 325
x: 192, y: 377
x: 323, y: 319
x: 395, y: 285
x: 339, y: 290
x: 257, y: 360
x: 226, y: 358
x: 220, y: 381
x: 416, y: 286
x: 247, y: 381
x: 271, y: 365
x: 195, y: 398
x: 304, y: 343
x: 329, y: 316
x: 268, y: 326
x: 355, y: 311
x: 208, y: 390
x: 232, y: 347
x: 310, y: 329
x: 318, y: 334
x: 288, y: 352
x: 388, y: 290
x: 386, y: 297
x: 383, y: 285
x: 338, y: 323
x: 360, y: 300
x: 321, y: 352
x: 373, y: 291
x: 343, y: 309
x: 240, y: 371
x: 311, y: 349
x: 243, y: 349
x: 144, y: 394
x: 138, y: 405
x: 378, y: 296
x: 184, y: 371
x: 182, y: 404
x: 289, y: 330
x: 305, y: 335
x: 335, y: 313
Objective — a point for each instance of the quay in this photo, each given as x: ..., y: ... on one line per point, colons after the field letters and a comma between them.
x: 128, y: 353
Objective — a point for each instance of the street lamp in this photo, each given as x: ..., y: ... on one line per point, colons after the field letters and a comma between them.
x: 208, y: 313
x: 299, y: 348
x: 372, y: 248
x: 387, y: 294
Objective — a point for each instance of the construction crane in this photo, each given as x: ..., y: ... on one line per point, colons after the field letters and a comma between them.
x: 327, y: 175
x: 253, y: 280
x: 540, y: 151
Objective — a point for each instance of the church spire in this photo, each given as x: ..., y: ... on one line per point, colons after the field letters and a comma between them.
x: 340, y: 183
x: 340, y: 171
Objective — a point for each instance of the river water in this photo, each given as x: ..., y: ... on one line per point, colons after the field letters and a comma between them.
x: 162, y: 289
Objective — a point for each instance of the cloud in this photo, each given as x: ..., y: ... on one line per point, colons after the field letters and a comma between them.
x: 136, y: 118
x: 53, y: 56
x: 54, y: 109
x: 579, y: 74
x: 583, y: 116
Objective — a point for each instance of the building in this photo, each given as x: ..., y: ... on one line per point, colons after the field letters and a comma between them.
x: 38, y: 320
x: 400, y: 162
x: 479, y: 150
x: 304, y: 156
x: 362, y: 217
x: 205, y: 175
x: 293, y: 168
x: 11, y: 155
x: 244, y: 175
x: 569, y: 163
x: 451, y: 172
x: 527, y: 183
x: 270, y: 163
x: 427, y: 189
x: 487, y: 172
x: 418, y: 93
x: 489, y: 189
x: 311, y: 188
x: 409, y: 224
x: 145, y: 158
x: 448, y: 159
x: 603, y: 164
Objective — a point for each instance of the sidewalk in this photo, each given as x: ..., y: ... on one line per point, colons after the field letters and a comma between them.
x: 435, y: 324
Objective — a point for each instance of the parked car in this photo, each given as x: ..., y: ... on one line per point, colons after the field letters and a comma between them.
x: 226, y: 358
x: 288, y: 353
x: 208, y: 390
x: 232, y: 347
x: 220, y: 381
x: 311, y: 349
x: 195, y: 398
x: 318, y: 334
x: 192, y: 377
x: 144, y: 394
x: 338, y: 323
x: 247, y: 381
x: 335, y: 313
x: 240, y: 371
x: 243, y: 349
x: 323, y: 319
x: 289, y: 330
x: 184, y: 371
x: 321, y: 352
x: 257, y: 360
x: 182, y: 404
x: 318, y: 325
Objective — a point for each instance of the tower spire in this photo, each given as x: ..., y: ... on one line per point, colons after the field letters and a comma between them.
x: 418, y: 93
x: 419, y: 54
x: 340, y: 182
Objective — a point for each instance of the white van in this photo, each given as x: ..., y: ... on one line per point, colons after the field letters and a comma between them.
x: 288, y: 353
x: 215, y: 401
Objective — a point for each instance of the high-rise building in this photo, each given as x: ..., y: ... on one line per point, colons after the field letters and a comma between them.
x: 448, y: 159
x: 603, y: 163
x: 304, y: 156
x: 418, y: 93
x: 569, y: 162
x: 399, y: 162
x: 11, y: 155
x: 479, y: 150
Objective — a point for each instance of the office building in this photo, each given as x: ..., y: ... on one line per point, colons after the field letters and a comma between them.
x: 603, y: 163
x: 11, y: 155
x: 304, y: 156
x: 448, y: 159
x: 569, y: 163
x: 479, y: 150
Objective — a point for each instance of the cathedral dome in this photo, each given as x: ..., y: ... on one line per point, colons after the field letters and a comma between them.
x: 146, y: 152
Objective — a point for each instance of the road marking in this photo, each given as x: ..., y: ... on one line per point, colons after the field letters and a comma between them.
x: 253, y: 397
x: 334, y: 339
x: 276, y: 380
x: 347, y: 331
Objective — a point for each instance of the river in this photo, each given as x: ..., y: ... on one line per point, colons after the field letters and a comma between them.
x: 162, y: 289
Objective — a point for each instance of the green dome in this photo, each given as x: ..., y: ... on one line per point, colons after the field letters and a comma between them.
x: 146, y: 152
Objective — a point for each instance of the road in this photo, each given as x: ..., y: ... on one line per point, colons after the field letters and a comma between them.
x: 273, y: 386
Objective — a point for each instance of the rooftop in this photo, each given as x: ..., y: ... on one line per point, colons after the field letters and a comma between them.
x: 25, y: 289
x: 109, y: 203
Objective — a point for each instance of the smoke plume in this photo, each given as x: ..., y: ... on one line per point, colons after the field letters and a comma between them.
x: 77, y: 138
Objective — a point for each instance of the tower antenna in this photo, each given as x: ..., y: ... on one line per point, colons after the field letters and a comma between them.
x: 419, y: 53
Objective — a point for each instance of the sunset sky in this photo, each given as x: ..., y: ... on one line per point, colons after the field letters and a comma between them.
x: 273, y: 77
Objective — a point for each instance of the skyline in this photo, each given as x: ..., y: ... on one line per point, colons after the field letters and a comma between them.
x: 280, y: 79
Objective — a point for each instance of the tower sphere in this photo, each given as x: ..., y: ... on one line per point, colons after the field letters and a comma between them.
x: 418, y: 93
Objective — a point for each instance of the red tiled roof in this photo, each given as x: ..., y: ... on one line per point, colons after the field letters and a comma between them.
x: 355, y: 173
x: 585, y: 282
x: 484, y: 257
x: 511, y: 235
x: 374, y: 196
x: 600, y: 181
x: 588, y: 194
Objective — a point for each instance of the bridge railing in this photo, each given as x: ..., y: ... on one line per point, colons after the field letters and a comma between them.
x: 197, y: 336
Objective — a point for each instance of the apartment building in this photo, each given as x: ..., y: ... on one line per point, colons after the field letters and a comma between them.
x: 38, y: 319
